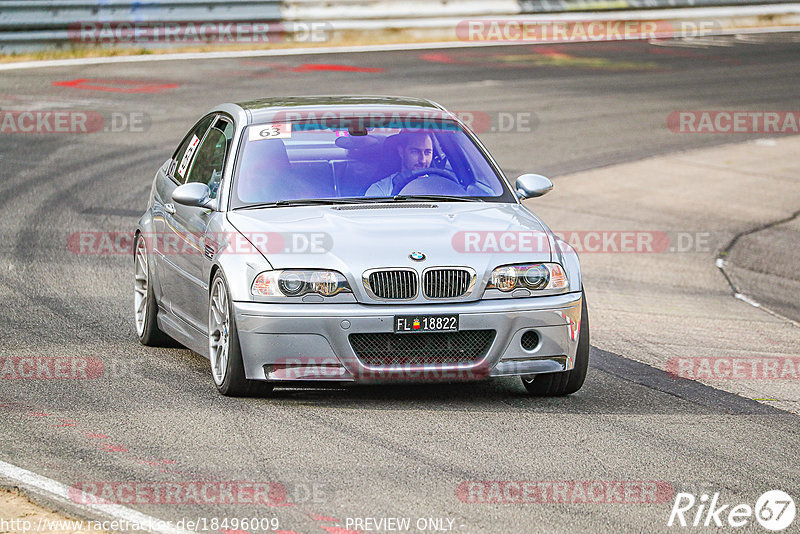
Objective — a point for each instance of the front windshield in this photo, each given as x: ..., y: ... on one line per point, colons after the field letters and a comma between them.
x: 309, y: 160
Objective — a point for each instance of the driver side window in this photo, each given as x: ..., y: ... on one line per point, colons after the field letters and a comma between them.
x: 187, y: 148
x: 209, y: 162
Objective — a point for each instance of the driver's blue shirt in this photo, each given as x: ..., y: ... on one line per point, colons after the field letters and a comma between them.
x: 381, y: 188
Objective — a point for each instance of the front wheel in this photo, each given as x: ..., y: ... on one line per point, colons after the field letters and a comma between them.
x: 227, y: 368
x: 564, y: 382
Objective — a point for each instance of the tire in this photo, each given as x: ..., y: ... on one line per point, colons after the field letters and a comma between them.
x: 224, y: 351
x: 144, y: 301
x: 564, y: 382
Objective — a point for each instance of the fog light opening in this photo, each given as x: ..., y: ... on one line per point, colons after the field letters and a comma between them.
x: 530, y: 340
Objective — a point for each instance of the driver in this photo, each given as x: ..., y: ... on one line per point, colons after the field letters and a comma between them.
x: 416, y: 152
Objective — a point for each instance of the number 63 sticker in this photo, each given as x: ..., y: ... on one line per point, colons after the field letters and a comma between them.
x: 270, y: 131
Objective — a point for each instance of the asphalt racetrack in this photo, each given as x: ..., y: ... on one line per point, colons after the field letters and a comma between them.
x: 154, y: 418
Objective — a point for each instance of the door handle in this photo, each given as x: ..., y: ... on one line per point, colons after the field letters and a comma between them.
x: 169, y: 208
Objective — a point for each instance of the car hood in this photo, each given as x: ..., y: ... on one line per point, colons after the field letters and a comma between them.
x: 354, y: 238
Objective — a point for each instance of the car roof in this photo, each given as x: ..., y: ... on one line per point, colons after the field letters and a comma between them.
x: 264, y: 110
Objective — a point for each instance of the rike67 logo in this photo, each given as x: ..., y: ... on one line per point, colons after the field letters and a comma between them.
x: 774, y: 510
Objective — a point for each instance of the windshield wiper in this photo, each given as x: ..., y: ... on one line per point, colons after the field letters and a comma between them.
x: 441, y: 198
x: 364, y: 200
x: 304, y: 202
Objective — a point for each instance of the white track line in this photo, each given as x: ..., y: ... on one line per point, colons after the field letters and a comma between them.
x: 721, y: 265
x: 58, y: 492
x: 666, y: 14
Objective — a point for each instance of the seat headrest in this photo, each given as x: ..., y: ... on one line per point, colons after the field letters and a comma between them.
x: 271, y: 152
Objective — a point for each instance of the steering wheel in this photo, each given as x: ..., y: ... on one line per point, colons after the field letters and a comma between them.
x: 419, y: 173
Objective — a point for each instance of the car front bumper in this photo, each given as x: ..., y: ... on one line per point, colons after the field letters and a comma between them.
x: 305, y: 342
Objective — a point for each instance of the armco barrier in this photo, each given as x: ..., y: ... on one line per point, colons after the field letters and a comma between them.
x: 28, y: 25
x: 35, y: 24
x: 550, y: 6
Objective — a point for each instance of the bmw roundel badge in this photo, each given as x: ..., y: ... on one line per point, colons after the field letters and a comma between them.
x: 417, y: 256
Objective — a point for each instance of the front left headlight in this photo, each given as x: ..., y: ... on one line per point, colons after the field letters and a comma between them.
x: 531, y: 276
x: 296, y: 283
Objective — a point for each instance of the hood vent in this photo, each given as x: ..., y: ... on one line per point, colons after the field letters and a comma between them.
x: 394, y: 205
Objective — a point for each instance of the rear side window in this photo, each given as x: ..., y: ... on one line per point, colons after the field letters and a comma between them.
x: 183, y: 156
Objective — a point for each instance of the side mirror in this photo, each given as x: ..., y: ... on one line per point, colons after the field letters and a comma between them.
x: 533, y: 185
x: 195, y: 195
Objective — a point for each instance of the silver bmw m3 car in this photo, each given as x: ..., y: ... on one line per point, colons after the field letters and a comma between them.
x: 354, y: 239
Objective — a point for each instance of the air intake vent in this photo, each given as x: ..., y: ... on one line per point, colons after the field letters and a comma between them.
x: 447, y: 283
x: 530, y: 340
x: 392, y: 206
x: 210, y: 249
x: 385, y: 349
x: 392, y: 284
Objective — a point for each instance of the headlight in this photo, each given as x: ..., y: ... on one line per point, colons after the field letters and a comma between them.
x: 293, y: 283
x: 533, y: 276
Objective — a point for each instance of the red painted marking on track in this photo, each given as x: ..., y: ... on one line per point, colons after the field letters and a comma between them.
x: 116, y: 86
x: 111, y: 447
x: 105, y: 447
x: 66, y: 422
x: 286, y: 532
x: 439, y: 57
x: 334, y: 68
x: 550, y: 51
x: 324, y: 518
x: 340, y: 530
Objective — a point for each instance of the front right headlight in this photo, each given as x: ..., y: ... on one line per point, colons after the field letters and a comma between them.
x: 296, y: 283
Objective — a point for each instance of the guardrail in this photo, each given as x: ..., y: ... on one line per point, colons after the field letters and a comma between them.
x: 550, y: 6
x: 28, y: 25
x: 35, y: 24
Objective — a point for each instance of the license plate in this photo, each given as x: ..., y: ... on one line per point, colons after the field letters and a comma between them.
x: 413, y: 324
